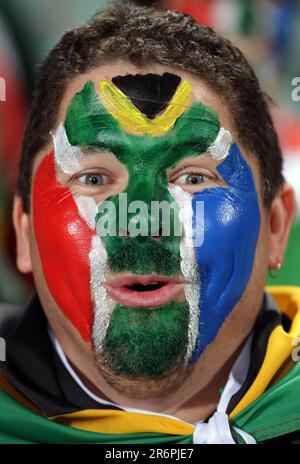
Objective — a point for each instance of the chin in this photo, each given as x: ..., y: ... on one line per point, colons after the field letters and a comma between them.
x: 143, y: 387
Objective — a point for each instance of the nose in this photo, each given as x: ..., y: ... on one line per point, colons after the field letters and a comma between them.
x: 145, y: 209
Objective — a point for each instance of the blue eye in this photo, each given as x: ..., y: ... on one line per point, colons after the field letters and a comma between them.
x: 192, y: 179
x: 92, y: 179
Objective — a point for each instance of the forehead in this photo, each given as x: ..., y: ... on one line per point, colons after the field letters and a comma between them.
x: 201, y: 92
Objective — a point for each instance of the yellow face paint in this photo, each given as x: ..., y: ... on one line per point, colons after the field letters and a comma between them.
x: 132, y: 120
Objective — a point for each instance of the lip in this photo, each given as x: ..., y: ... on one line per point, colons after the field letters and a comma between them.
x: 119, y: 289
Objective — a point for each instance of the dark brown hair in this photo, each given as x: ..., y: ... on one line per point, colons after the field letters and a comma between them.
x: 146, y: 35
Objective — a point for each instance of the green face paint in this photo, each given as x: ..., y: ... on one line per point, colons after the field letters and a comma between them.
x: 89, y: 124
x: 139, y: 331
x: 146, y: 159
x: 139, y: 341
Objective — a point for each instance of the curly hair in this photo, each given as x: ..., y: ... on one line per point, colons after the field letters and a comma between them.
x: 144, y: 35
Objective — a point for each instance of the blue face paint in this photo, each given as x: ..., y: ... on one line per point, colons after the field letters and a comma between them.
x: 225, y: 259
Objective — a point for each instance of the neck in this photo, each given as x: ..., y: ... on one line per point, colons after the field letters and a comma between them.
x: 197, y: 396
x: 195, y: 400
x: 198, y: 406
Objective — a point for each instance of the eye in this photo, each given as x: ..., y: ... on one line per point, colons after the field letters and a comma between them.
x: 191, y: 178
x: 93, y: 179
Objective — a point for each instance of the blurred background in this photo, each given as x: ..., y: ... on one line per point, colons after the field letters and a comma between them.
x: 267, y: 31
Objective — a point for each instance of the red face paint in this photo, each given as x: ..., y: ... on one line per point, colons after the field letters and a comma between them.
x: 64, y: 243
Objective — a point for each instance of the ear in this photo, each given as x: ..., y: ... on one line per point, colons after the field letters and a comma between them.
x: 282, y: 214
x: 21, y: 226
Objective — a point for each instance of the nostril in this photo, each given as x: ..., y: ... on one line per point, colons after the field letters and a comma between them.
x: 124, y: 233
x: 157, y: 234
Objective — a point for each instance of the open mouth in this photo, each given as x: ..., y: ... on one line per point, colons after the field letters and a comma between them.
x: 143, y: 290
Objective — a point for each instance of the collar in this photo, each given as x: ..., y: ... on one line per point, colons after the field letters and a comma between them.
x: 217, y: 429
x: 64, y: 360
x: 36, y: 369
x: 264, y: 412
x: 33, y: 367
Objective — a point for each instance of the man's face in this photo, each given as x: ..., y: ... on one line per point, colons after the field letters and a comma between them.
x: 148, y: 299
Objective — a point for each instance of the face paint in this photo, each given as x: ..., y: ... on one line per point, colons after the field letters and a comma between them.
x: 188, y: 265
x: 67, y: 156
x: 232, y: 221
x: 139, y: 341
x: 132, y: 120
x: 132, y: 332
x: 184, y: 134
x: 64, y: 241
x: 220, y: 147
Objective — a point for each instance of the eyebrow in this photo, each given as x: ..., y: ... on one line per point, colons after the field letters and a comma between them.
x: 194, y: 147
x: 197, y: 141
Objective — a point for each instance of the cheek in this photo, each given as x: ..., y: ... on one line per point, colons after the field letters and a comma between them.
x: 229, y: 226
x: 64, y: 242
x: 225, y: 259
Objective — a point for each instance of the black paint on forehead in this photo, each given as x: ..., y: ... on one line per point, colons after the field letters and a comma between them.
x: 150, y: 93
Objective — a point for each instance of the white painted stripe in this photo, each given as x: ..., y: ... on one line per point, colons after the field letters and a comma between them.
x: 188, y: 265
x: 87, y: 208
x: 103, y: 305
x: 219, y: 149
x: 67, y: 156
